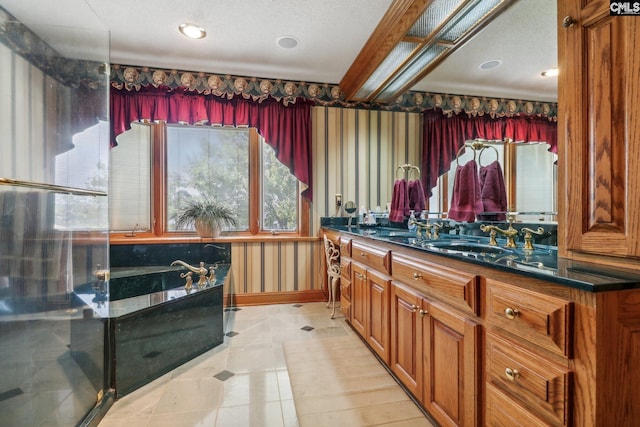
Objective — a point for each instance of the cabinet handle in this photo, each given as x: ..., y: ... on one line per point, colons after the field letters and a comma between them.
x: 511, y: 374
x: 423, y: 312
x: 417, y: 276
x: 568, y: 21
x: 511, y: 313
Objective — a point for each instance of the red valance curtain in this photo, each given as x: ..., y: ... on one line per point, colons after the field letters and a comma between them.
x: 285, y: 127
x: 443, y: 135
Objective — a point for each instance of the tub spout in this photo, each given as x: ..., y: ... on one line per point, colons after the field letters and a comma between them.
x: 201, y: 271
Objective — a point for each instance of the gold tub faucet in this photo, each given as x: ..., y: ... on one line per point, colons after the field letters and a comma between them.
x: 201, y: 271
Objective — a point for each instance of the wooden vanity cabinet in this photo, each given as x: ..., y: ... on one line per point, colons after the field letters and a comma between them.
x: 598, y: 132
x: 370, y: 297
x: 435, y: 354
x: 480, y: 346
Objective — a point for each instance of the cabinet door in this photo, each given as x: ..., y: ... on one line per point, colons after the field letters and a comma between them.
x: 451, y: 359
x: 377, y: 325
x: 358, y: 299
x: 406, y: 333
x: 598, y: 130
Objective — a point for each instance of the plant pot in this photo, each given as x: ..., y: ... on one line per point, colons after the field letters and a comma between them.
x: 207, y: 229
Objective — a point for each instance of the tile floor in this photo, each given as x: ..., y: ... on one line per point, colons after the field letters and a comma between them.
x: 280, y: 365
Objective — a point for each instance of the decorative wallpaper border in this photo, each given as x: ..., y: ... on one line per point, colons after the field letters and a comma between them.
x: 133, y: 78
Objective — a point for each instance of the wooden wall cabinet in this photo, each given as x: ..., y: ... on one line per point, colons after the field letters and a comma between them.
x: 598, y: 132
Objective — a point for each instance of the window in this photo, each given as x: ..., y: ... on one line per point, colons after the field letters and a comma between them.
x: 233, y: 165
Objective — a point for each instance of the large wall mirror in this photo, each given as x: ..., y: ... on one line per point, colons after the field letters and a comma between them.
x: 494, y: 66
x: 529, y: 172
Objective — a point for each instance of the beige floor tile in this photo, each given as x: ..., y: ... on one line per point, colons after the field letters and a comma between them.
x: 284, y: 384
x: 254, y: 387
x: 289, y: 414
x: 267, y: 414
x: 184, y: 419
x: 191, y: 395
x: 379, y: 415
x: 110, y: 421
x: 349, y: 400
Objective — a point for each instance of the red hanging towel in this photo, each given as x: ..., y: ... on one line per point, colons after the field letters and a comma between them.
x: 465, y: 201
x: 417, y: 200
x: 493, y: 192
x: 399, y: 201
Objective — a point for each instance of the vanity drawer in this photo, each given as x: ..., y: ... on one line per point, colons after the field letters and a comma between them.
x: 539, y: 384
x: 543, y: 320
x: 378, y: 259
x: 455, y: 286
x: 504, y: 412
x: 345, y: 269
x: 345, y: 246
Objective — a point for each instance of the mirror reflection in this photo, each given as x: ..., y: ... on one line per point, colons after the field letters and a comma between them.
x: 530, y: 178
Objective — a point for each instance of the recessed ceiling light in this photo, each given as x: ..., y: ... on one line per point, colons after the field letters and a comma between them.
x: 287, y: 42
x: 192, y: 31
x: 551, y: 72
x: 487, y: 65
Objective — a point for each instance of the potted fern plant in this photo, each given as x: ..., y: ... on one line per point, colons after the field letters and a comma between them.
x: 208, y: 216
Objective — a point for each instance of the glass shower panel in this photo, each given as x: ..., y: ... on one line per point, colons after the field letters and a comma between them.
x: 53, y: 222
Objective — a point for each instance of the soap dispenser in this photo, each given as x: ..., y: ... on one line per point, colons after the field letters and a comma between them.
x: 412, y: 222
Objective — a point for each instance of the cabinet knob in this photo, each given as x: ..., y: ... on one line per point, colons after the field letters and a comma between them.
x: 511, y: 313
x: 422, y: 312
x: 511, y: 374
x: 414, y: 307
x: 568, y: 21
x: 363, y: 254
x: 417, y: 276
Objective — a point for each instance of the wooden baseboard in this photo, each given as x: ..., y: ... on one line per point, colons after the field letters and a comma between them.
x: 274, y: 298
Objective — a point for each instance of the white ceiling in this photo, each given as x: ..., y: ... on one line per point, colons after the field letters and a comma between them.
x: 242, y: 38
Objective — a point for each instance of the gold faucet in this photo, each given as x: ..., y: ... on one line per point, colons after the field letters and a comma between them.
x: 189, y: 284
x: 201, y: 271
x: 427, y: 228
x: 510, y: 233
x: 528, y: 236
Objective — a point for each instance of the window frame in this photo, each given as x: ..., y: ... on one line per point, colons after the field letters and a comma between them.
x: 159, y: 187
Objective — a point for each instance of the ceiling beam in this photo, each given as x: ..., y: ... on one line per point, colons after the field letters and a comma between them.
x: 394, y: 25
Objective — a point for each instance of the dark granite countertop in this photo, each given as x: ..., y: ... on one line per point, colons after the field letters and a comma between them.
x: 104, y: 308
x: 542, y: 262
